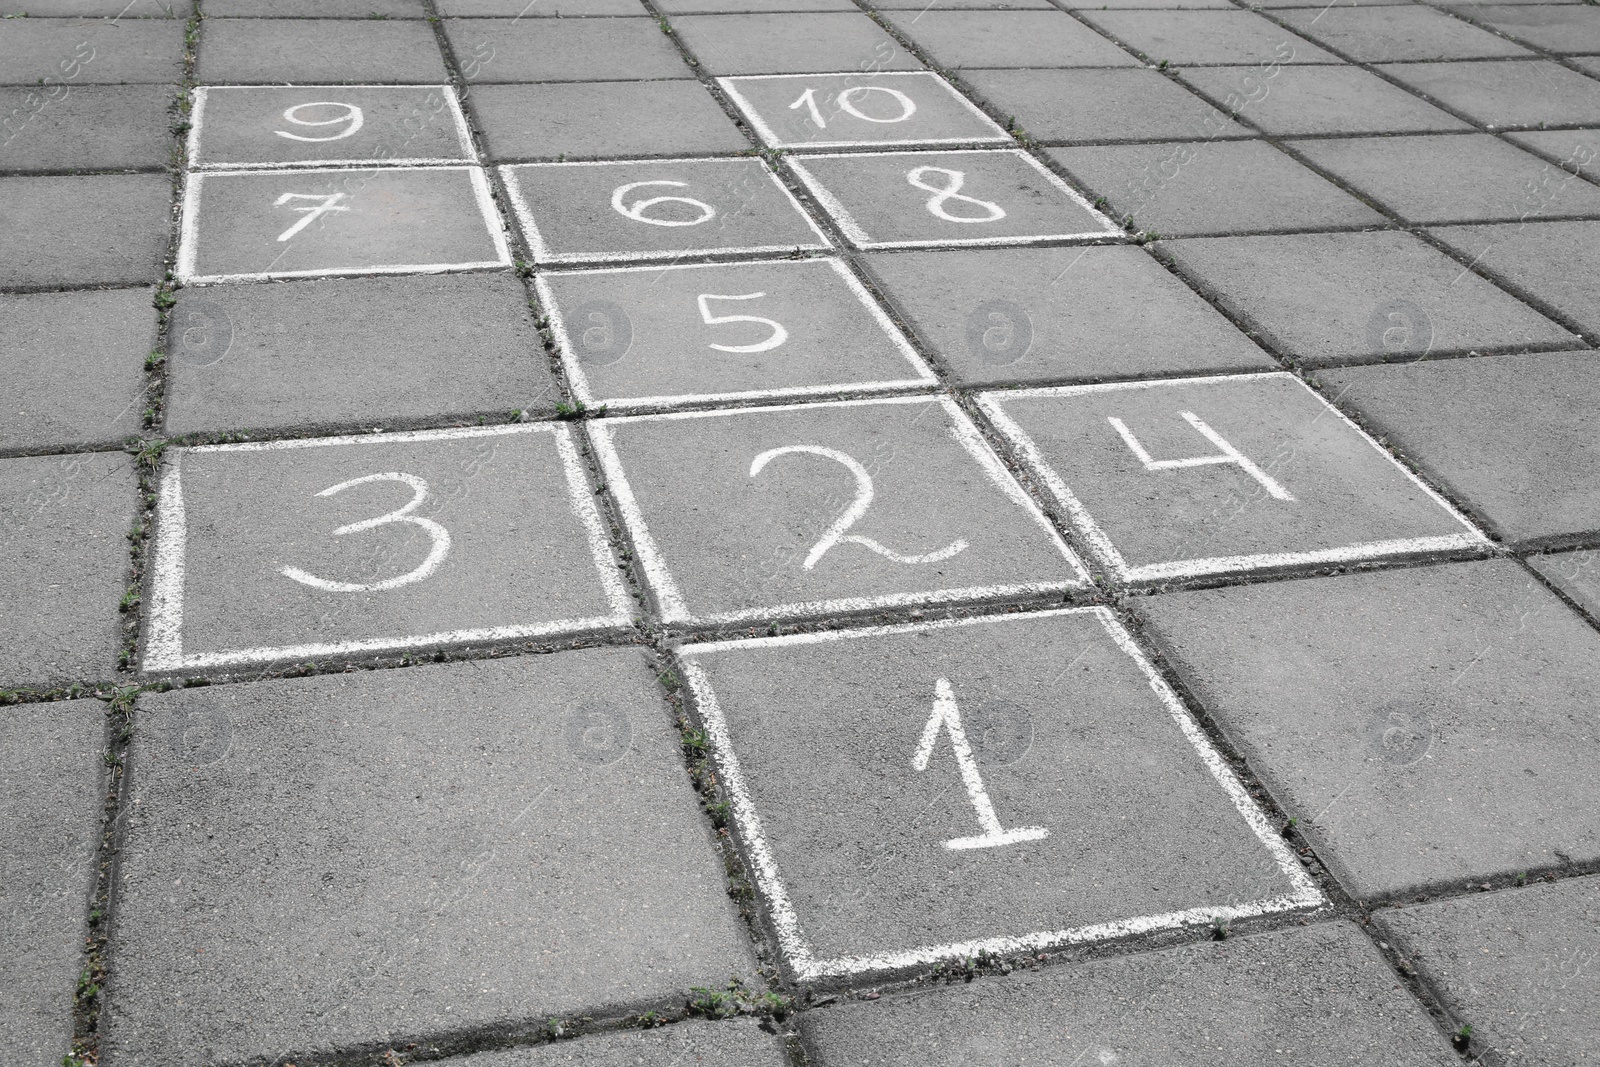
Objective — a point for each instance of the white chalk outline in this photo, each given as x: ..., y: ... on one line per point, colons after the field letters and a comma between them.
x: 469, y: 152
x: 189, y: 224
x: 580, y: 383
x: 164, y: 645
x: 541, y: 251
x: 770, y: 137
x: 992, y: 404
x: 786, y: 920
x: 858, y: 236
x: 669, y: 597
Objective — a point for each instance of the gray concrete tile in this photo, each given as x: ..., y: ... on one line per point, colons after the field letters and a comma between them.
x: 354, y: 352
x: 557, y: 50
x: 319, y: 52
x: 1010, y: 39
x: 241, y: 225
x: 136, y: 9
x: 50, y: 802
x: 603, y: 120
x: 1505, y: 435
x: 823, y: 508
x: 74, y: 367
x: 736, y: 7
x: 84, y: 231
x: 67, y: 52
x: 998, y: 5
x: 1589, y: 64
x: 1100, y: 105
x: 869, y: 857
x: 1319, y: 100
x: 1178, y: 479
x: 1425, y: 725
x: 933, y: 199
x: 1197, y: 188
x: 1501, y: 95
x: 1394, y: 34
x: 65, y: 560
x: 527, y: 9
x: 1560, y: 28
x: 1573, y: 149
x: 996, y: 316
x: 1575, y: 573
x: 656, y: 209
x: 1208, y: 1005
x: 803, y: 43
x: 86, y: 127
x: 1515, y: 965
x: 887, y: 108
x: 1331, y: 298
x: 648, y: 336
x: 1453, y: 178
x: 1555, y: 262
x: 1121, y: 5
x: 267, y: 552
x: 722, y: 1044
x: 1185, y: 37
x: 317, y: 9
x: 480, y: 844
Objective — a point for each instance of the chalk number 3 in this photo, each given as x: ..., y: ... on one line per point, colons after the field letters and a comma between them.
x: 436, y: 533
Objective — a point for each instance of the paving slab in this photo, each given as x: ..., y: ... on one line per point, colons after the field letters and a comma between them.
x: 60, y: 53
x: 603, y: 120
x: 632, y: 210
x: 651, y: 337
x: 934, y: 199
x: 1453, y: 178
x: 1177, y: 479
x: 319, y: 52
x: 138, y: 9
x: 65, y: 560
x: 1575, y: 573
x: 1196, y: 187
x: 997, y: 316
x: 1118, y: 5
x: 1556, y: 262
x: 918, y: 5
x: 1516, y: 965
x: 1221, y: 1004
x: 478, y: 845
x: 1393, y: 34
x: 1572, y: 149
x: 536, y: 50
x: 83, y: 231
x: 1320, y: 100
x: 1502, y: 95
x: 1207, y: 37
x: 524, y: 9
x: 1559, y: 28
x: 806, y: 510
x: 354, y: 352
x: 306, y: 125
x: 74, y: 367
x: 279, y: 551
x: 1425, y: 725
x: 1099, y: 106
x: 800, y: 43
x: 51, y: 799
x: 1503, y: 434
x: 1331, y: 298
x: 240, y: 225
x: 722, y: 1044
x: 739, y: 7
x: 842, y: 110
x: 317, y: 9
x: 1009, y: 39
x: 1060, y: 766
x: 86, y: 127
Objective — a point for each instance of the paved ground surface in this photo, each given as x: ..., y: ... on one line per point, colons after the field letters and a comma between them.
x: 753, y: 532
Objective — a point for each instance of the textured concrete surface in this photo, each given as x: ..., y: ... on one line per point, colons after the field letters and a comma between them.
x: 87, y: 127
x: 603, y: 120
x: 790, y: 43
x: 1206, y: 37
x: 1555, y: 263
x: 1501, y: 95
x: 110, y: 229
x: 318, y: 52
x: 61, y: 53
x: 958, y: 39
x: 253, y: 125
x: 890, y: 108
x: 536, y: 50
x: 1575, y: 574
x: 1099, y: 105
x: 729, y: 1044
x: 1389, y: 34
x: 1319, y: 100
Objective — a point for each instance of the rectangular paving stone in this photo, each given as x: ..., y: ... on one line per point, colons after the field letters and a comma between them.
x: 1100, y: 105
x: 319, y: 52
x: 535, y: 50
x: 726, y: 7
x: 919, y: 5
x: 1555, y: 262
x: 64, y: 558
x: 1319, y: 100
x: 844, y: 110
x: 1572, y: 149
x: 50, y: 800
x: 482, y: 844
x: 1426, y: 726
x: 540, y: 8
x: 1176, y: 479
x: 64, y: 52
x: 280, y: 550
x: 650, y: 337
x: 840, y: 751
x: 1575, y: 573
x: 797, y: 43
x: 74, y: 367
x: 1501, y: 95
x: 81, y: 231
x: 995, y: 316
x: 1555, y: 27
x: 179, y: 9
x: 631, y: 210
x: 1197, y: 188
x: 1221, y: 1004
x: 1333, y: 298
x: 603, y: 120
x: 935, y: 199
x: 316, y: 9
x: 354, y: 352
x: 824, y: 508
x: 240, y: 225
x: 1515, y: 965
x: 1391, y: 34
x: 721, y: 1044
x: 86, y: 127
x: 1010, y: 39
x: 307, y: 125
x: 1506, y: 435
x: 1207, y: 37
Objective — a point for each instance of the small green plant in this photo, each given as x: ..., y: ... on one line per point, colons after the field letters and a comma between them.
x: 1219, y: 929
x: 1161, y: 65
x: 154, y: 360
x: 651, y: 1019
x: 129, y: 601
x: 695, y: 743
x: 524, y: 269
x: 164, y: 300
x: 1462, y: 1038
x: 712, y: 1003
